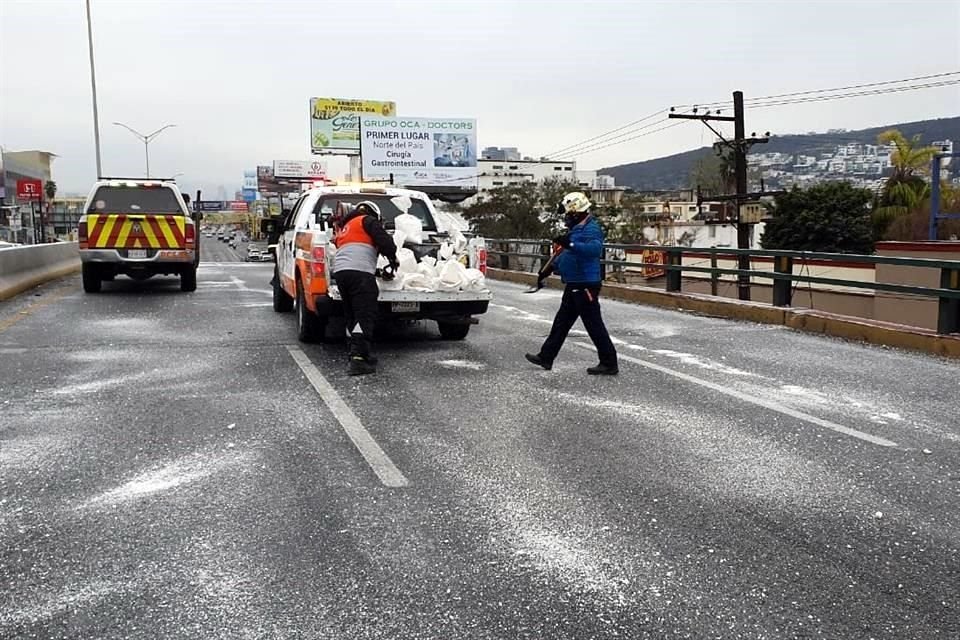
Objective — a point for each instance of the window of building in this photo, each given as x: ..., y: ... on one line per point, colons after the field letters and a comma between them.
x: 498, y: 166
x: 513, y: 167
x: 568, y: 168
x: 558, y: 168
x: 692, y: 208
x: 498, y: 183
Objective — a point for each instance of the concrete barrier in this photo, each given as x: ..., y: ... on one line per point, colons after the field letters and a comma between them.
x: 850, y: 328
x: 22, y: 268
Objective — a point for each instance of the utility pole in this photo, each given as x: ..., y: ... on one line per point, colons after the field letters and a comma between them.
x: 93, y: 91
x: 739, y: 145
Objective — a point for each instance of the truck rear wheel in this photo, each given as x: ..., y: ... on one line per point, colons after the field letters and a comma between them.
x: 310, y: 327
x: 282, y: 302
x: 188, y: 279
x: 453, y: 330
x: 91, y: 278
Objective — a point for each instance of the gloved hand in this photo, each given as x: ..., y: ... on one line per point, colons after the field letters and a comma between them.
x: 563, y: 241
x: 394, y: 264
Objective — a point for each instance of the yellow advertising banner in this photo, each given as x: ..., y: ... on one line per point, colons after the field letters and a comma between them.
x: 335, y: 122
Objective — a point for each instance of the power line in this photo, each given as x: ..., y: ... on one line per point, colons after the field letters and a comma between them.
x: 577, y: 149
x: 842, y: 96
x: 833, y: 90
x: 642, y: 135
x: 604, y: 135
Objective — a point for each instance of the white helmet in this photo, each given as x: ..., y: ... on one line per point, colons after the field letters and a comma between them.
x: 576, y: 202
x: 371, y: 207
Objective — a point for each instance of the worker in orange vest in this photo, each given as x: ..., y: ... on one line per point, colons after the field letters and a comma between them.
x: 360, y: 238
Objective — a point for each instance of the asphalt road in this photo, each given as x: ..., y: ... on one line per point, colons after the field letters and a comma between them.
x: 168, y: 469
x: 213, y: 250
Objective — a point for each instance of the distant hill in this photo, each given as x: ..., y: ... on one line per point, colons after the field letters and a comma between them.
x: 673, y: 172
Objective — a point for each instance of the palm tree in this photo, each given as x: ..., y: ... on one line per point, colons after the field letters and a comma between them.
x: 906, y: 189
x: 909, y: 159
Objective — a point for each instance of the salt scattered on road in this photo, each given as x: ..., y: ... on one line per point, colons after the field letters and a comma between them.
x: 461, y: 364
x: 170, y: 476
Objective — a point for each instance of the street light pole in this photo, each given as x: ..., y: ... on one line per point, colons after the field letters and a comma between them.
x: 146, y: 139
x: 93, y: 89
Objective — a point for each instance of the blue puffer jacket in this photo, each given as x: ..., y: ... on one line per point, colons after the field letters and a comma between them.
x: 580, y: 264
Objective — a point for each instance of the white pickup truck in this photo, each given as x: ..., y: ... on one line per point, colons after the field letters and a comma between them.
x: 304, y: 256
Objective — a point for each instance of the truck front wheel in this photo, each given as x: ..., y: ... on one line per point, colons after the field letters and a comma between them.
x: 453, y: 330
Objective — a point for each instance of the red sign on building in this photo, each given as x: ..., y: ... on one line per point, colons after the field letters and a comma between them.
x: 29, y: 189
x: 238, y: 206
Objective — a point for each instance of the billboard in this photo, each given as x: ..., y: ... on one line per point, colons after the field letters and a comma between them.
x: 420, y: 151
x: 300, y: 169
x: 29, y: 189
x: 334, y: 123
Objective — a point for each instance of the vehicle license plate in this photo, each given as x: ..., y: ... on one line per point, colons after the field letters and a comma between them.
x: 405, y: 307
x: 137, y: 253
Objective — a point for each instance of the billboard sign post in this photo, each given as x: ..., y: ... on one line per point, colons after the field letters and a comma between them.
x: 420, y: 151
x: 335, y: 123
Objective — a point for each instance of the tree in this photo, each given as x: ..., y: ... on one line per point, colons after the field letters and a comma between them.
x: 909, y: 158
x: 832, y: 217
x: 510, y: 211
x: 521, y: 210
x: 906, y: 190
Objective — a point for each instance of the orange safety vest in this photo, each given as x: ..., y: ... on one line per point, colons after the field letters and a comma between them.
x: 353, y: 232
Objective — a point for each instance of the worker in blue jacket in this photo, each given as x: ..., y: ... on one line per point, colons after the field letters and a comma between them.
x: 579, y: 267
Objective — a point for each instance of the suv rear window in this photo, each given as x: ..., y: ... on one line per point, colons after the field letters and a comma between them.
x: 388, y: 210
x: 135, y: 200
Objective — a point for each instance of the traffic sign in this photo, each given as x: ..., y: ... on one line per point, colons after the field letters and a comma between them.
x: 29, y: 189
x: 210, y: 205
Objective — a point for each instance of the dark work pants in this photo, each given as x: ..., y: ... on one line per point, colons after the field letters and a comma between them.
x: 580, y: 301
x: 359, y: 292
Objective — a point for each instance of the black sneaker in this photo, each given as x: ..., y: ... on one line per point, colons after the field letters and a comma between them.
x: 360, y: 367
x: 540, y: 362
x: 603, y: 370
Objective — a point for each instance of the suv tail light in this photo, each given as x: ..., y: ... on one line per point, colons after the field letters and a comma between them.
x: 82, y: 234
x: 190, y: 235
x: 319, y: 265
x: 482, y: 260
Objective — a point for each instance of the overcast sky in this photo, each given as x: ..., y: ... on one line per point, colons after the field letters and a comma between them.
x: 236, y: 76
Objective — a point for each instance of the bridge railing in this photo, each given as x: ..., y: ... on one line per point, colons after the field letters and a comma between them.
x: 531, y: 255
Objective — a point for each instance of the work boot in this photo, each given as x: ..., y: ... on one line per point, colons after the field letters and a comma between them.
x: 603, y: 370
x: 360, y: 367
x: 539, y: 361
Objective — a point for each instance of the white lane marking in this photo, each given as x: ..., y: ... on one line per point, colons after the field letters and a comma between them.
x: 381, y: 464
x: 242, y: 286
x: 760, y: 402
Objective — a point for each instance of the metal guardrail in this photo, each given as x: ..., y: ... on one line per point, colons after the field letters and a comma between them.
x: 783, y: 277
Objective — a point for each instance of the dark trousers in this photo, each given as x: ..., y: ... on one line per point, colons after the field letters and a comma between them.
x: 359, y: 292
x: 580, y: 301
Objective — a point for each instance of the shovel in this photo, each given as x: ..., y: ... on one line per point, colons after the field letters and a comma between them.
x: 544, y: 273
